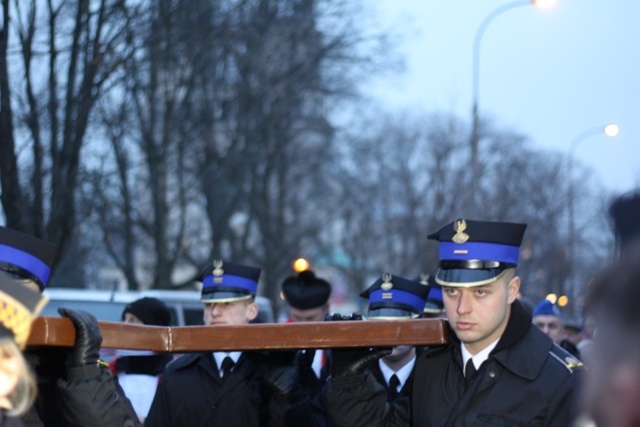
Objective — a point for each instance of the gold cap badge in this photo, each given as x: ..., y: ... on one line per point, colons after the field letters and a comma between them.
x: 217, y: 271
x: 459, y: 226
x: 386, y: 282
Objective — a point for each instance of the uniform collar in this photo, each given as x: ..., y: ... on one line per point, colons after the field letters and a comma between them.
x: 523, y: 348
x: 402, y: 373
x: 219, y: 356
x: 478, y: 358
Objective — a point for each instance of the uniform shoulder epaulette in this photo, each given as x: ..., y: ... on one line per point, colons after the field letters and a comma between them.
x: 571, y: 362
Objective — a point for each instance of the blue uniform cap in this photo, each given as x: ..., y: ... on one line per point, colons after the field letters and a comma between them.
x: 434, y: 303
x: 394, y: 297
x: 475, y: 253
x: 27, y: 256
x: 546, y: 308
x: 225, y: 281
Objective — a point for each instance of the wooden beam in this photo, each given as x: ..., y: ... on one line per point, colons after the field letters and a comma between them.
x: 57, y: 331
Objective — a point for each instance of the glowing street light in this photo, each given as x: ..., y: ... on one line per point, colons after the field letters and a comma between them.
x: 610, y: 130
x: 301, y: 264
x: 543, y: 4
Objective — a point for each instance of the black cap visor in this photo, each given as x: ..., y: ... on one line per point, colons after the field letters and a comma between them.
x: 432, y: 307
x: 400, y: 311
x: 461, y: 277
x: 225, y: 295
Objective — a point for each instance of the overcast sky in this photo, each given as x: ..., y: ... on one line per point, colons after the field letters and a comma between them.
x: 549, y: 74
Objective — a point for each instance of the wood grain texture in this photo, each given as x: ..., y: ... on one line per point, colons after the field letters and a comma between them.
x: 56, y: 331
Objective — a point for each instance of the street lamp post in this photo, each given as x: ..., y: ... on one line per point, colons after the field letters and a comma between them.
x: 476, y: 69
x: 608, y: 130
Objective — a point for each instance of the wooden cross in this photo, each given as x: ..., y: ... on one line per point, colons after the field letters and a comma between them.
x: 58, y: 331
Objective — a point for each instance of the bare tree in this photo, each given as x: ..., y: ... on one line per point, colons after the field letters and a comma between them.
x: 62, y: 61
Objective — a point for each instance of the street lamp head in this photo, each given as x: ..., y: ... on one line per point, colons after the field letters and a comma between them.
x: 611, y: 130
x: 544, y: 4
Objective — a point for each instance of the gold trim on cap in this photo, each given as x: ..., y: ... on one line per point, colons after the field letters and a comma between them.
x: 223, y: 300
x: 17, y: 318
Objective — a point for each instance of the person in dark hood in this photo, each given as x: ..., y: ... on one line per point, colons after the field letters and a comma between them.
x: 393, y: 297
x: 138, y: 372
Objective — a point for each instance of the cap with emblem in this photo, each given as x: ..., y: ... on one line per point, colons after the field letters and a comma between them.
x: 224, y: 281
x: 19, y: 306
x: 394, y: 297
x: 474, y: 253
x: 306, y: 291
x: 26, y: 256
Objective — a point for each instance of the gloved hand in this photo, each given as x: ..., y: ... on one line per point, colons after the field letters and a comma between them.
x: 86, y: 350
x: 338, y: 316
x: 351, y: 362
x: 279, y: 369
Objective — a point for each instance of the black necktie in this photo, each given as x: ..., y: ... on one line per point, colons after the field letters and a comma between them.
x: 394, y: 382
x: 227, y: 365
x: 469, y: 371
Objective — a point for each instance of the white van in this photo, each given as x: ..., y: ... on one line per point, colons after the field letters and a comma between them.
x: 185, y: 306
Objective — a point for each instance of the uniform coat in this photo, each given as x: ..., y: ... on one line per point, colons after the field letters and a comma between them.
x: 527, y: 381
x: 88, y: 397
x: 192, y: 393
x: 308, y: 379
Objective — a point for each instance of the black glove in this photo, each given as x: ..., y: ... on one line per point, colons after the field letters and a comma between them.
x: 338, y: 316
x: 350, y: 362
x: 279, y: 369
x: 86, y: 350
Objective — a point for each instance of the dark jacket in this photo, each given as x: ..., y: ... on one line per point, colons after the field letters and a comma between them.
x: 527, y: 381
x: 148, y: 365
x: 308, y: 379
x: 88, y: 396
x: 7, y: 421
x: 192, y: 393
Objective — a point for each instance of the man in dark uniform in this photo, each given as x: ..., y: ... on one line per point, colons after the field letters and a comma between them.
x: 498, y: 368
x: 218, y: 388
x: 308, y: 298
x: 549, y: 319
x: 74, y: 387
x: 393, y: 298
